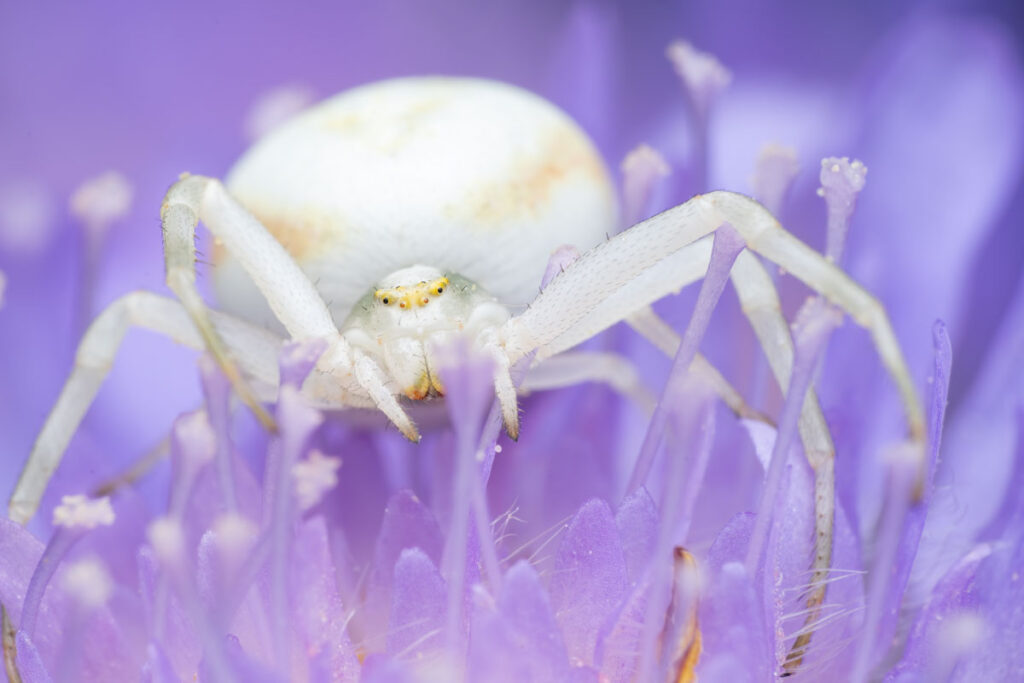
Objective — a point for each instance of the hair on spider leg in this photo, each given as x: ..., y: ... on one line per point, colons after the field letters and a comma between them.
x: 381, y: 636
x: 788, y: 616
x: 824, y: 620
x: 836, y: 570
x: 821, y: 661
x: 411, y: 647
x: 824, y: 657
x: 509, y: 515
x: 547, y: 535
x: 794, y: 662
x: 805, y: 589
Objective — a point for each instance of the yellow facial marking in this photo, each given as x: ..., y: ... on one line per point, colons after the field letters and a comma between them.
x: 413, y: 296
x: 427, y: 385
x: 420, y: 390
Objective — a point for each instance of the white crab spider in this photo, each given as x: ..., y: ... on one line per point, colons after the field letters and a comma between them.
x: 400, y: 213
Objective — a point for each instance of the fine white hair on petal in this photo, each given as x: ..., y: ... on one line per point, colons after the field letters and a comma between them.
x: 314, y: 477
x: 82, y: 512
x: 276, y: 106
x: 167, y: 537
x: 3, y: 287
x: 88, y: 583
x: 101, y: 200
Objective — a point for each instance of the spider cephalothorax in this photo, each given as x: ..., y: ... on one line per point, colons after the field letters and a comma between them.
x: 411, y: 313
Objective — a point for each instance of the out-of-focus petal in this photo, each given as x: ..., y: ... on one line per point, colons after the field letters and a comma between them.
x: 909, y: 537
x: 105, y: 653
x: 180, y: 644
x: 973, y: 622
x: 953, y: 595
x: 939, y: 78
x: 418, y: 608
x: 30, y: 665
x: 521, y: 640
x: 407, y: 524
x: 787, y: 576
x: 589, y: 578
x: 983, y: 430
x: 158, y: 669
x: 621, y: 638
x: 732, y: 627
x: 381, y: 669
x: 239, y: 665
x: 317, y: 611
x: 637, y: 521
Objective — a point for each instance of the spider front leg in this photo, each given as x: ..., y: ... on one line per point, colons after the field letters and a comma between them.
x: 760, y: 303
x: 288, y: 291
x: 255, y: 348
x: 610, y: 282
x: 630, y: 304
x: 576, y: 367
x: 668, y: 251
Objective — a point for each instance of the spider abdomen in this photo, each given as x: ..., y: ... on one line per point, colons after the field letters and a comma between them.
x: 466, y: 175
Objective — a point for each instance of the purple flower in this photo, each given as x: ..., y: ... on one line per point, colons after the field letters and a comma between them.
x: 592, y: 549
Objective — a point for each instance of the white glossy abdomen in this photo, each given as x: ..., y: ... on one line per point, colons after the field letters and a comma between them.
x: 469, y: 176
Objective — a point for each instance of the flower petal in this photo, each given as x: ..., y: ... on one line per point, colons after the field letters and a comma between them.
x: 418, y: 608
x: 407, y: 524
x: 637, y: 521
x: 317, y: 611
x: 521, y: 641
x: 589, y: 578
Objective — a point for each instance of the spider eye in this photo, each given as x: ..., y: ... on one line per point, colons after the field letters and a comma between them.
x: 386, y: 301
x: 439, y: 290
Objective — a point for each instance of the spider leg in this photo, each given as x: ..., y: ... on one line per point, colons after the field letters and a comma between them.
x: 654, y: 329
x: 575, y: 367
x: 256, y: 349
x: 588, y: 314
x: 760, y: 303
x: 608, y: 272
x: 610, y: 283
x: 289, y: 292
x: 371, y: 378
x: 630, y: 303
x: 504, y: 385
